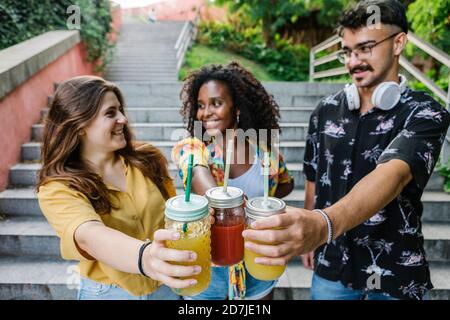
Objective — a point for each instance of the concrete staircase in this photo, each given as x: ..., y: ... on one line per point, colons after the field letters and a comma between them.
x: 145, y: 51
x: 30, y: 266
x: 30, y: 263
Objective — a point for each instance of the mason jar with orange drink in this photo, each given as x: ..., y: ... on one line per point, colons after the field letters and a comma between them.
x: 255, y: 209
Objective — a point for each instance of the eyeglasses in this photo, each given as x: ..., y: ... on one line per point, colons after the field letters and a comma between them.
x: 361, y: 52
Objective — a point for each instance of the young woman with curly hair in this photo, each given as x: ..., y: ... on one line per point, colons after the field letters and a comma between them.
x: 221, y: 98
x: 105, y: 195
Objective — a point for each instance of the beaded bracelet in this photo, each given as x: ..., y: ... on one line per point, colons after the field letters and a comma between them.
x: 329, y: 224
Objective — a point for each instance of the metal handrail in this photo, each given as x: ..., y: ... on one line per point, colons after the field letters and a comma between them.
x: 187, y: 35
x: 436, y: 53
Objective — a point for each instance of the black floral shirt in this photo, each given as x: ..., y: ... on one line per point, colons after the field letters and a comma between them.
x: 342, y: 147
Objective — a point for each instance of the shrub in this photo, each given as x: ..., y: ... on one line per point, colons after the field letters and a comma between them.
x: 286, y: 61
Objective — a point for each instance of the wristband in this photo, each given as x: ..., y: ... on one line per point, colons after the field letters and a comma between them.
x: 141, y: 252
x: 329, y: 224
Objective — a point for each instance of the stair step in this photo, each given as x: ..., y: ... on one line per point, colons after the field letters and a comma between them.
x: 162, y: 110
x: 31, y: 236
x: 173, y: 130
x: 144, y: 99
x: 291, y: 89
x: 25, y: 174
x: 292, y: 151
x: 53, y: 279
x: 23, y: 202
x: 37, y: 278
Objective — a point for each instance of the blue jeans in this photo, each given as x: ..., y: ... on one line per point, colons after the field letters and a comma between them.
x: 323, y: 289
x: 91, y: 290
x: 218, y: 286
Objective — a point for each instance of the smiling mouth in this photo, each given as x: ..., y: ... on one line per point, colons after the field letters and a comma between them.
x: 211, y: 123
x: 117, y: 132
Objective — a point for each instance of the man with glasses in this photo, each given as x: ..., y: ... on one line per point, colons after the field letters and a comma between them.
x: 370, y: 151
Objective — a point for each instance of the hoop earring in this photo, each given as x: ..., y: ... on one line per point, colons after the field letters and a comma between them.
x: 237, y: 120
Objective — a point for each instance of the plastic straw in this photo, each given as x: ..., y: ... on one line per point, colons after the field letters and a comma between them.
x: 187, y: 195
x: 266, y: 178
x: 227, y: 164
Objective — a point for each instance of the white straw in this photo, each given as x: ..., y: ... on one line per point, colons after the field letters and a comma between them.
x: 227, y: 164
x: 266, y: 178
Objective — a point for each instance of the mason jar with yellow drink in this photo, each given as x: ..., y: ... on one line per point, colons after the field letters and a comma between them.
x: 255, y: 209
x: 191, y: 219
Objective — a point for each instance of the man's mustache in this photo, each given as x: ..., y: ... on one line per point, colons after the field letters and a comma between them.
x: 361, y: 68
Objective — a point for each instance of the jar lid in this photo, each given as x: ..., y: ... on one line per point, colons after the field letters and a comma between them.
x: 256, y: 208
x: 217, y: 198
x: 179, y: 210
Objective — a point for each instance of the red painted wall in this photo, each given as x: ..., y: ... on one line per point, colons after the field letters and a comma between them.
x: 20, y: 109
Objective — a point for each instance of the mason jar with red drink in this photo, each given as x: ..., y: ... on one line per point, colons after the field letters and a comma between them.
x: 227, y: 243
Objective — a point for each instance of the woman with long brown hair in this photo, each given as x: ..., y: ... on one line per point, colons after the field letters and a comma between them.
x: 105, y: 195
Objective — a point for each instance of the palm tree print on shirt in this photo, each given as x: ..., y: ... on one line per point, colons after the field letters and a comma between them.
x: 325, y: 179
x: 404, y: 204
x: 429, y: 114
x: 414, y: 290
x: 382, y: 246
x: 331, y: 99
x: 377, y: 219
x: 312, y: 140
x: 427, y: 157
x: 384, y: 126
x: 334, y: 130
x: 373, y: 154
x: 411, y: 259
x: 347, y: 170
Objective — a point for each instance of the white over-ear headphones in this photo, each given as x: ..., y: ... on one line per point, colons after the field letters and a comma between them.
x: 385, y: 96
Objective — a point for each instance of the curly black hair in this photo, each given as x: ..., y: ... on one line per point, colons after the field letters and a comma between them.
x: 258, y: 108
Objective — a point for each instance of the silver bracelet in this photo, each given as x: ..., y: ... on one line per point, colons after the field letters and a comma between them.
x: 329, y: 224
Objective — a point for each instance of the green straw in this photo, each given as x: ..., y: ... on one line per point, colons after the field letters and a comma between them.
x: 227, y: 164
x: 187, y: 195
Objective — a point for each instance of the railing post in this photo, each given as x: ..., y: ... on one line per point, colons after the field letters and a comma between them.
x: 446, y: 146
x: 311, y: 65
x: 448, y: 95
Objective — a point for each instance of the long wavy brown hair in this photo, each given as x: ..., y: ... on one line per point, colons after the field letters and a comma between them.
x: 75, y: 103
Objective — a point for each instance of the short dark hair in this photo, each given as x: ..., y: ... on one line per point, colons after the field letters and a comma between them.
x: 392, y: 12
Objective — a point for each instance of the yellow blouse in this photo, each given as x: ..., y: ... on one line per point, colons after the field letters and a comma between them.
x: 140, y: 213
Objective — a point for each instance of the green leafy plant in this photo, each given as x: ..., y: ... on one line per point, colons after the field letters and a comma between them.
x: 444, y: 171
x: 284, y: 61
x: 22, y: 20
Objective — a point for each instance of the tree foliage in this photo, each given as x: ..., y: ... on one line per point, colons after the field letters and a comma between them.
x: 306, y: 21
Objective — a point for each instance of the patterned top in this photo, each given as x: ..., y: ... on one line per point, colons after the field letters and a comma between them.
x: 342, y: 147
x: 211, y: 156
